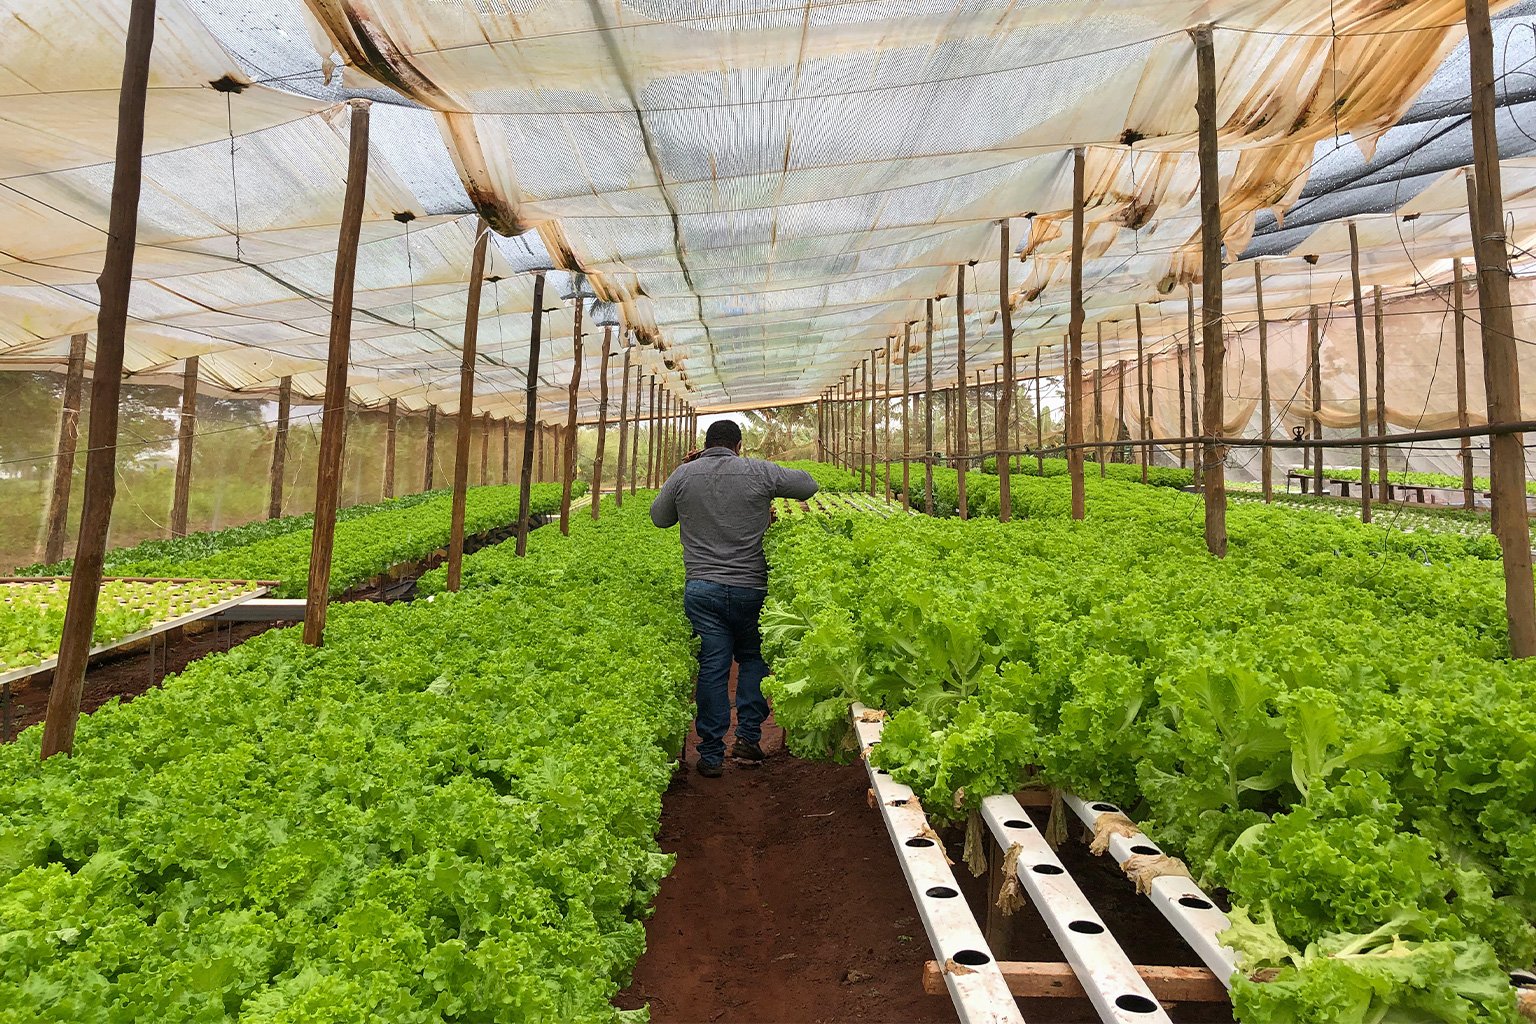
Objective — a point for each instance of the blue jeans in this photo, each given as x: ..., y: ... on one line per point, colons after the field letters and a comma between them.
x: 725, y: 621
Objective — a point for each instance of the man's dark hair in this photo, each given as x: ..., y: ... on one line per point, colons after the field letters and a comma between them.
x: 722, y: 434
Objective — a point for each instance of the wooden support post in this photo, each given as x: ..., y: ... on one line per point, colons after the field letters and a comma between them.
x: 1314, y: 348
x: 981, y: 425
x: 568, y: 462
x: 652, y: 452
x: 485, y: 448
x: 928, y: 413
x: 391, y: 435
x: 634, y: 440
x: 333, y: 419
x: 506, y: 450
x: 906, y: 417
x: 1383, y: 485
x: 963, y: 448
x: 1214, y: 346
x: 431, y: 452
x: 1197, y: 456
x: 186, y: 432
x: 466, y: 416
x: 1006, y: 413
x: 279, y: 450
x: 1098, y: 397
x: 1039, y: 421
x: 1501, y: 367
x: 999, y: 438
x: 101, y: 451
x: 1266, y: 419
x: 618, y: 469
x: 1075, y: 344
x: 1143, y: 414
x: 1178, y: 355
x: 1463, y: 417
x: 857, y: 407
x: 1120, y: 398
x: 886, y: 401
x: 530, y: 414
x: 1360, y: 373
x: 64, y: 460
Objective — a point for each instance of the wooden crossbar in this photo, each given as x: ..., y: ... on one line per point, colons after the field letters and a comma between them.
x: 1035, y: 979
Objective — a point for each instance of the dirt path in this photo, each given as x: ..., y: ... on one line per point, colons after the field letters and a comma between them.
x: 786, y: 906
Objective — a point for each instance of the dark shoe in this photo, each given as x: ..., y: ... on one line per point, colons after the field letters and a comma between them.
x: 741, y: 750
x: 711, y: 769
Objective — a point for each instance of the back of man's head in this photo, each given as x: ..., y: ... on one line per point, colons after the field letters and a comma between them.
x: 723, y: 434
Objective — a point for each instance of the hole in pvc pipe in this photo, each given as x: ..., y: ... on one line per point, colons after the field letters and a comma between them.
x: 1017, y: 823
x: 1048, y: 869
x: 1145, y: 850
x: 1104, y: 807
x: 942, y: 892
x: 881, y: 771
x: 971, y: 957
x: 1135, y: 1003
x: 1086, y: 927
x: 919, y: 842
x: 1520, y: 979
x: 1195, y: 903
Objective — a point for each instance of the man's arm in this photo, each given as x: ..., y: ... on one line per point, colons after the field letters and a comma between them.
x: 664, y: 507
x: 791, y: 483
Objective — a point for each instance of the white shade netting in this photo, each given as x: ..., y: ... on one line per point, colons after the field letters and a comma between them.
x: 755, y: 194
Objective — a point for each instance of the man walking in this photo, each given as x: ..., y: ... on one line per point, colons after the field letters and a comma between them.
x: 724, y: 504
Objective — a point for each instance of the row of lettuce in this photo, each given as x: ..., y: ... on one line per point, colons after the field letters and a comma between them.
x: 1403, y: 477
x: 370, y: 540
x: 1325, y: 724
x: 447, y: 813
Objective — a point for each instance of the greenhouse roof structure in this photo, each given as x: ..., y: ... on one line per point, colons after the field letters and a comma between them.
x: 756, y: 193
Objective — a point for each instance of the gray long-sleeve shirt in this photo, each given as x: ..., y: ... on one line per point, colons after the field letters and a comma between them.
x: 722, y: 502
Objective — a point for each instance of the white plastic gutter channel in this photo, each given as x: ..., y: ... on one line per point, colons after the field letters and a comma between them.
x: 980, y: 993
x: 1117, y: 991
x: 1191, y: 912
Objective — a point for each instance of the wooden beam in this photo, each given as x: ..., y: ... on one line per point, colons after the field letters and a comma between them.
x: 568, y: 463
x: 391, y: 435
x: 1463, y: 417
x: 1031, y: 980
x: 333, y: 418
x: 468, y: 355
x: 1360, y: 372
x: 186, y: 433
x: 1006, y: 414
x: 64, y: 460
x: 530, y: 414
x: 1075, y: 344
x: 431, y: 452
x: 963, y: 449
x: 651, y: 452
x: 928, y: 413
x: 1213, y: 458
x: 506, y: 450
x: 1501, y: 366
x: 1266, y: 417
x: 111, y: 326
